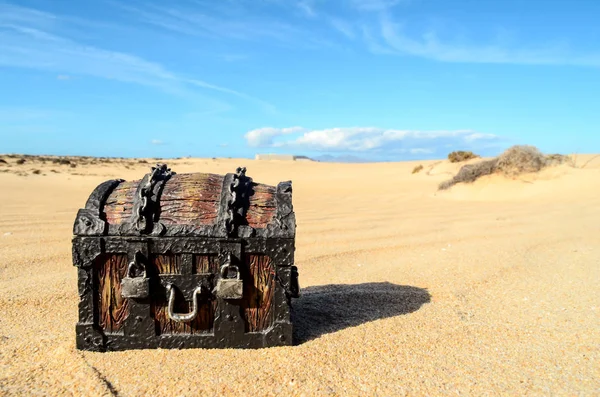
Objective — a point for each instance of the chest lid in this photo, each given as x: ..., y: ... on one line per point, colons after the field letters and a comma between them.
x: 164, y: 203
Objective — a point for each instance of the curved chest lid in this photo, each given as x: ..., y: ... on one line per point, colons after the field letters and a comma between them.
x: 164, y: 203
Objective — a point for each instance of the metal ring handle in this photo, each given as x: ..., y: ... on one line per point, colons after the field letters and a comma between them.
x: 182, y: 317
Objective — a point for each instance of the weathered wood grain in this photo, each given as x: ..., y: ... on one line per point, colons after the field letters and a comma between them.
x: 206, y: 264
x: 167, y: 264
x: 262, y: 206
x: 191, y: 199
x: 112, y: 307
x: 259, y: 287
x: 119, y: 205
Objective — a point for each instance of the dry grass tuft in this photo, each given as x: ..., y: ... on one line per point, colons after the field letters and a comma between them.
x: 514, y: 161
x: 418, y: 168
x: 461, y: 155
x: 21, y: 161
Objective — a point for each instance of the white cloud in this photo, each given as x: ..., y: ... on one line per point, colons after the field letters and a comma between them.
x: 421, y: 151
x: 363, y: 139
x: 478, y: 136
x: 263, y: 137
x: 157, y: 142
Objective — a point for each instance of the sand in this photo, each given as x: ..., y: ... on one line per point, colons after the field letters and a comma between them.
x: 491, y: 288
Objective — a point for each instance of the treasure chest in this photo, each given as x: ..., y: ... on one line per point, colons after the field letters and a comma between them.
x: 192, y: 260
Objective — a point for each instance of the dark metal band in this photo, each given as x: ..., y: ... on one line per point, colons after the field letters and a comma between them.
x: 144, y: 219
x: 235, y: 203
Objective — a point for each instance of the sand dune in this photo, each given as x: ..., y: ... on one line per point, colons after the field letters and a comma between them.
x: 490, y: 288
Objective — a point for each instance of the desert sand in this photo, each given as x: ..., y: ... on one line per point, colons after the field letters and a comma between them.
x: 490, y: 288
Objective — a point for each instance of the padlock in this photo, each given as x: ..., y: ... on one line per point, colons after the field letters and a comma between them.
x: 229, y: 288
x: 135, y: 287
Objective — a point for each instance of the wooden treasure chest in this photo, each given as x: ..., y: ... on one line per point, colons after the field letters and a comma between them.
x: 185, y: 260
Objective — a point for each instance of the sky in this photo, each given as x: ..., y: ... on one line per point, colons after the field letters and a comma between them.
x: 379, y: 80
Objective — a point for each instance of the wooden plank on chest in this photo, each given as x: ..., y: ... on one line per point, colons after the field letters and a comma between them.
x: 112, y: 307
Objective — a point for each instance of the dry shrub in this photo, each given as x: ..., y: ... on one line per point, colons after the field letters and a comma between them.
x: 470, y: 172
x: 2, y: 161
x: 461, y: 155
x: 521, y: 159
x: 418, y: 168
x: 21, y: 161
x: 514, y: 161
x: 36, y: 172
x: 558, y: 159
x: 61, y: 161
x: 72, y: 165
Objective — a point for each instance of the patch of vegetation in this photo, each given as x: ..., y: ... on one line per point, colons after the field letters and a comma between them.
x: 61, y: 161
x: 470, y: 173
x: 521, y: 159
x: 36, y: 172
x: 2, y: 161
x: 514, y: 161
x: 461, y: 155
x: 21, y: 161
x: 418, y: 168
x: 558, y: 159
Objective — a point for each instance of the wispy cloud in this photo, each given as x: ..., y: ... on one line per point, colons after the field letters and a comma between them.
x: 343, y: 27
x: 30, y: 120
x: 24, y: 44
x: 430, y: 46
x: 364, y: 139
x: 157, y: 142
x: 18, y: 114
x: 306, y: 7
x: 232, y: 21
x: 375, y: 5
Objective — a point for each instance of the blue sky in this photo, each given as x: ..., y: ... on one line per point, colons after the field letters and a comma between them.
x: 376, y: 79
